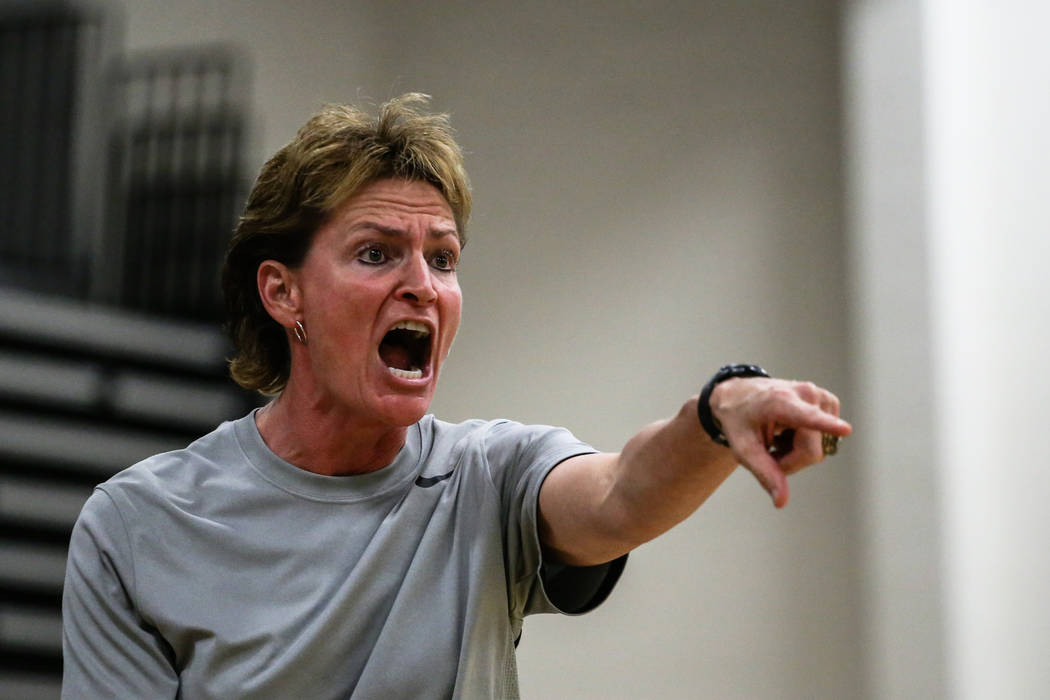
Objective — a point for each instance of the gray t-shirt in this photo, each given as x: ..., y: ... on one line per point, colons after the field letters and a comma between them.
x: 222, y: 571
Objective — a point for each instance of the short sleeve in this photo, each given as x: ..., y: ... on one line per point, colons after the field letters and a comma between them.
x: 519, y: 458
x: 109, y: 650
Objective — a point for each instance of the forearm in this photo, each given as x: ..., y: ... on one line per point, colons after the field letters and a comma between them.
x: 664, y: 473
x: 599, y: 507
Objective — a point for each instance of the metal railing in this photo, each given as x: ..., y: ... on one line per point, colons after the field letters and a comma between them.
x: 176, y: 186
x: 120, y: 174
x: 51, y: 55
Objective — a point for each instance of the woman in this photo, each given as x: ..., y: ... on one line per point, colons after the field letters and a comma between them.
x: 340, y: 541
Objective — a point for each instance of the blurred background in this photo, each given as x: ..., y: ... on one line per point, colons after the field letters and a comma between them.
x: 851, y: 192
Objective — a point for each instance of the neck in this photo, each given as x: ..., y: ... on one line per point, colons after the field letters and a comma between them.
x: 324, y: 440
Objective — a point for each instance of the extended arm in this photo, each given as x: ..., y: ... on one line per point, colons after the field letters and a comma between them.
x: 594, y: 508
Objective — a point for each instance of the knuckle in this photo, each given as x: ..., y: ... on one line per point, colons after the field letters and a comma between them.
x: 808, y: 391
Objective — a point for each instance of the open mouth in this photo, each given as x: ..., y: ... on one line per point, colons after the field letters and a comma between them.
x: 405, y: 349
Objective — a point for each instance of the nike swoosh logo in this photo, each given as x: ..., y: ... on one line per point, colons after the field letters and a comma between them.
x: 428, y: 481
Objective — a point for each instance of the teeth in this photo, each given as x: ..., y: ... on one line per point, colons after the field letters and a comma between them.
x: 415, y: 326
x: 406, y: 373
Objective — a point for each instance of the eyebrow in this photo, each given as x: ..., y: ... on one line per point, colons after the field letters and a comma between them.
x: 397, y: 232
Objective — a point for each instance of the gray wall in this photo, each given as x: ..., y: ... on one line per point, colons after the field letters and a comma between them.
x: 657, y: 192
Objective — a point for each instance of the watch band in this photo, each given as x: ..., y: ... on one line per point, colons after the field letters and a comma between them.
x: 703, y: 407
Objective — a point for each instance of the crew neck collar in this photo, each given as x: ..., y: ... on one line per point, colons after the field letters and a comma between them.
x: 307, y: 484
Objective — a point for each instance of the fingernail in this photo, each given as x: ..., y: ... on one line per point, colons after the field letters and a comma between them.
x: 775, y: 493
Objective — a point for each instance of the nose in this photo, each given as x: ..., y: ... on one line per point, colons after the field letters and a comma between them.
x: 417, y: 283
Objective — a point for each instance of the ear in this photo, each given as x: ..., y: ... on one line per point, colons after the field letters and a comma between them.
x: 279, y: 292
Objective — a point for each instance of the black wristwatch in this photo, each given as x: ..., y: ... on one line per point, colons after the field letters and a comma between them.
x: 703, y: 408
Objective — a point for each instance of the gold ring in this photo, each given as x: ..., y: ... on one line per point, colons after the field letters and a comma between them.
x: 829, y: 444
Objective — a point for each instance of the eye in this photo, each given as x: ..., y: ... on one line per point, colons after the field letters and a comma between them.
x: 444, y: 260
x: 372, y: 255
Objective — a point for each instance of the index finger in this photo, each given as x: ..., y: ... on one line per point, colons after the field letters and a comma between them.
x: 753, y: 456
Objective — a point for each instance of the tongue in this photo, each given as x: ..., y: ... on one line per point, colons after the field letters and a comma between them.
x: 395, y: 356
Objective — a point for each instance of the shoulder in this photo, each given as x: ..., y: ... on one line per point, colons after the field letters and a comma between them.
x: 502, y: 441
x: 175, y: 473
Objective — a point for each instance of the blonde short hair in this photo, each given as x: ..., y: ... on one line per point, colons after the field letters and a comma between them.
x: 334, y: 155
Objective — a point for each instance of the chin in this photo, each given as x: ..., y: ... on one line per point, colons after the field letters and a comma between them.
x: 404, y: 412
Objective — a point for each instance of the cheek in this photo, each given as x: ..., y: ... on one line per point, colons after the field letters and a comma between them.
x: 451, y: 316
x: 343, y: 322
x: 455, y: 308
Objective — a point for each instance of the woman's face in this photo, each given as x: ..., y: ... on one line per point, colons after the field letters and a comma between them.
x: 381, y: 301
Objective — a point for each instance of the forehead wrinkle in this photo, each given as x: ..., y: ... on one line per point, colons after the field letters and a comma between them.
x: 435, y: 231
